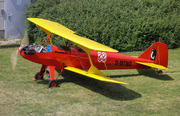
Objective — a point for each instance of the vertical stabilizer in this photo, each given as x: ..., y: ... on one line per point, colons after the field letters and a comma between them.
x: 157, y: 52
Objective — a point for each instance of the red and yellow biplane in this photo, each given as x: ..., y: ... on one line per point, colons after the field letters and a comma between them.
x: 89, y: 59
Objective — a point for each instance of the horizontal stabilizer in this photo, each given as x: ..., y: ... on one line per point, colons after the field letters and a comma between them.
x: 94, y: 76
x: 135, y: 56
x: 153, y: 65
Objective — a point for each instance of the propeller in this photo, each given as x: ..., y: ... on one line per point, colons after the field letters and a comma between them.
x: 14, y: 55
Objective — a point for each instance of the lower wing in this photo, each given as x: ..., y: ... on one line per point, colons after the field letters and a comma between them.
x: 94, y: 76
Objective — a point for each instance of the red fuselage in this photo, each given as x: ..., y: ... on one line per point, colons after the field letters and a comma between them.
x: 72, y: 57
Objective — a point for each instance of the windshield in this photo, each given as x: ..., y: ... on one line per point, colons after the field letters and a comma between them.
x: 38, y: 48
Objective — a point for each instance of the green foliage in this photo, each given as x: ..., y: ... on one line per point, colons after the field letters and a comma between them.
x: 125, y: 25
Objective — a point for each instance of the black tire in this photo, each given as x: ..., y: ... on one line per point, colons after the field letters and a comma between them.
x: 47, y: 73
x: 52, y: 83
x: 38, y: 76
x: 160, y: 71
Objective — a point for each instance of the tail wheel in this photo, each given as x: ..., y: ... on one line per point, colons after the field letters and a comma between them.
x: 53, y: 83
x: 160, y: 71
x: 38, y: 76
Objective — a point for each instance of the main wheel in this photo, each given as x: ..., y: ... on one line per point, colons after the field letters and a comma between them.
x: 47, y: 73
x: 38, y: 76
x: 53, y: 83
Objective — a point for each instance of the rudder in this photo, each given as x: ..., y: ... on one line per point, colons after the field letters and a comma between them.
x: 157, y: 52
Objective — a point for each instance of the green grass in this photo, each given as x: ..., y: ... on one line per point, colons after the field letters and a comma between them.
x: 3, y: 39
x: 148, y: 94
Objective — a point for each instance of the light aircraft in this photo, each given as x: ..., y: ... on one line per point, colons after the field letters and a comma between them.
x: 89, y: 59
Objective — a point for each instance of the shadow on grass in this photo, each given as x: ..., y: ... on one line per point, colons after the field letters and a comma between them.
x: 9, y: 46
x: 147, y: 72
x: 113, y: 91
x: 153, y: 74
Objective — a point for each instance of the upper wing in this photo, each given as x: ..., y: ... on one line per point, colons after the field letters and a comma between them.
x: 56, y: 28
x: 153, y: 65
x: 94, y: 76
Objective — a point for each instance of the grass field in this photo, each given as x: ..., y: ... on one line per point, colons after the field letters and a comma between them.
x: 148, y: 94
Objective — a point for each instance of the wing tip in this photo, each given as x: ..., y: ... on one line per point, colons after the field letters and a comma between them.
x: 124, y: 83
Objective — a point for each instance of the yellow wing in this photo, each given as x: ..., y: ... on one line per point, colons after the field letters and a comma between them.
x: 153, y: 65
x: 56, y: 28
x: 94, y: 76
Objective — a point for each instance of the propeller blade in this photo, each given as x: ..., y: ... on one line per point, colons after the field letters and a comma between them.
x: 25, y: 41
x: 14, y: 55
x: 14, y: 58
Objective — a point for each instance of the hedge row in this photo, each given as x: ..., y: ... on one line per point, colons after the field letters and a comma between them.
x: 125, y: 25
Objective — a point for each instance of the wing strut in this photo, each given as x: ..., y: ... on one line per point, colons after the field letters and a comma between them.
x: 105, y: 65
x: 92, y: 69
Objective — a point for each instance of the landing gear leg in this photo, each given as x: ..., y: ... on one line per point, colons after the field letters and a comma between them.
x: 53, y: 82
